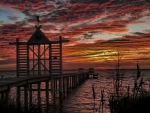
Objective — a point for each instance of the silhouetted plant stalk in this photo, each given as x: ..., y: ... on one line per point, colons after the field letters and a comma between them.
x: 131, y: 102
x: 102, y: 100
x: 119, y: 75
x: 118, y: 85
x: 122, y: 100
x: 94, y: 96
x: 137, y: 87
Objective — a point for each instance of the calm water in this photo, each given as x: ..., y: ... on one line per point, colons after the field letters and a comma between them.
x: 80, y: 100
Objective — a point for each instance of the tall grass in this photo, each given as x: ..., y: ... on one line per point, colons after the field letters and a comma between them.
x: 123, y: 98
x: 136, y: 100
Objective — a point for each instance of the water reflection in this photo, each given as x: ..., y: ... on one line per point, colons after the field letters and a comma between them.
x: 80, y: 100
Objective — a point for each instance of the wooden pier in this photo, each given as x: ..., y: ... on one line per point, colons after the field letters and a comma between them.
x: 70, y: 81
x: 40, y: 60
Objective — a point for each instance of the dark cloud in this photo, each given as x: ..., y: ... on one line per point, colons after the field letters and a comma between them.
x: 138, y: 33
x: 13, y: 18
x: 117, y: 40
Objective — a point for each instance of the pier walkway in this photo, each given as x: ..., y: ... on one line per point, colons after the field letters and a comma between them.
x: 24, y: 84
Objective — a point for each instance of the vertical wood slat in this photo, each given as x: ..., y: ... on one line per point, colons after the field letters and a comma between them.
x: 44, y: 60
x: 50, y: 68
x: 61, y: 75
x: 28, y: 64
x: 17, y: 56
x: 39, y: 62
x: 33, y: 61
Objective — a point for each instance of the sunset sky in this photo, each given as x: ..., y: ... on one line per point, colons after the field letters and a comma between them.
x: 97, y: 29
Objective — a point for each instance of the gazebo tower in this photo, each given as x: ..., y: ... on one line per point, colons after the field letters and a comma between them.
x: 40, y: 56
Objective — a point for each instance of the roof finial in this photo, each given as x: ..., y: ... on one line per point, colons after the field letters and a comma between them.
x: 38, y: 20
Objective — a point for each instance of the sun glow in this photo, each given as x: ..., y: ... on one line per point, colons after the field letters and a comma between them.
x: 104, y: 54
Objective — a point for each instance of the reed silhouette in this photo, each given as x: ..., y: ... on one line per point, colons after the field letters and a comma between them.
x: 134, y: 100
x: 124, y: 98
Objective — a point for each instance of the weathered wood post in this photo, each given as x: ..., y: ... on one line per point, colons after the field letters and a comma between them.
x: 7, y: 93
x: 30, y: 94
x: 72, y: 81
x: 67, y: 85
x: 76, y: 80
x: 18, y: 99
x: 61, y: 76
x: 64, y: 88
x: 39, y: 95
x: 2, y: 95
x: 26, y: 98
x: 47, y: 96
x: 54, y: 90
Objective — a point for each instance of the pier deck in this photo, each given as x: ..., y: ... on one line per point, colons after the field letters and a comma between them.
x: 52, y: 86
x: 7, y: 83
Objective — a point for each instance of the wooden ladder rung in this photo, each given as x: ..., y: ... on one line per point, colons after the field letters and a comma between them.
x: 22, y: 54
x: 22, y: 67
x: 55, y: 56
x: 55, y: 48
x: 56, y: 61
x: 22, y: 58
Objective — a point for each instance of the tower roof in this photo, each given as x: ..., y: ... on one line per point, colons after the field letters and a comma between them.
x: 38, y: 37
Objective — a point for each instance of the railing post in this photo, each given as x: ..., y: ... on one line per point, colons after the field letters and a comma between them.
x: 39, y: 96
x: 61, y: 76
x: 7, y: 93
x: 26, y: 98
x: 17, y: 56
x: 18, y: 99
x: 47, y: 96
x: 67, y: 85
x: 64, y: 88
x: 30, y: 93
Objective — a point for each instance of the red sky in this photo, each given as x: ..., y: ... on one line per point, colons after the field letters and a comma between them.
x: 97, y: 29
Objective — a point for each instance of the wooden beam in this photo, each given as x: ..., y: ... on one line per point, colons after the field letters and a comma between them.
x: 51, y: 42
